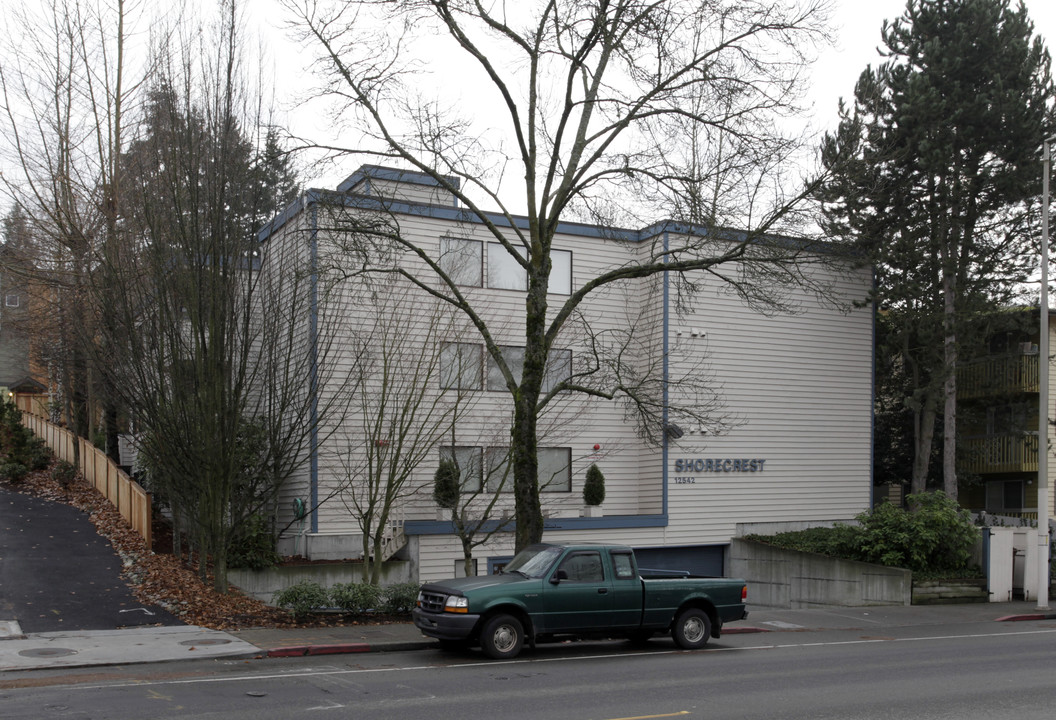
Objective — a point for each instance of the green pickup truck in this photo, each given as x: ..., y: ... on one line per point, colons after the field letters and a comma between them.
x: 556, y: 590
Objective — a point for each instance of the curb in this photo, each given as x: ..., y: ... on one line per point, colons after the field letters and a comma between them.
x: 346, y: 648
x: 1030, y: 616
x: 744, y: 630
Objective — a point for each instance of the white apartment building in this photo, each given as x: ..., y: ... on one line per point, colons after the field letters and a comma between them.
x: 793, y: 391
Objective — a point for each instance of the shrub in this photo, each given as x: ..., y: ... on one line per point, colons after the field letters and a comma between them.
x: 934, y: 537
x: 357, y: 598
x: 446, y: 484
x: 594, y: 487
x: 64, y: 473
x: 302, y: 598
x: 839, y: 541
x: 16, y: 443
x: 13, y: 472
x: 10, y: 415
x: 253, y: 547
x: 400, y: 599
x: 944, y: 533
x: 38, y: 455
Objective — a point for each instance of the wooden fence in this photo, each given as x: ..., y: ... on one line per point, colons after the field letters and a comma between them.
x: 131, y: 500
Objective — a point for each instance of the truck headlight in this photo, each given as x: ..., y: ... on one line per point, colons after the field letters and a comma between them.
x: 456, y: 604
x: 418, y: 602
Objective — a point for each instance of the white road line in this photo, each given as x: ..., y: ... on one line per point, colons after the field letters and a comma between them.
x: 317, y: 672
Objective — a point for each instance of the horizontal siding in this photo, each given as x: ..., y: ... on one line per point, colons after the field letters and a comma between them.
x: 797, y: 390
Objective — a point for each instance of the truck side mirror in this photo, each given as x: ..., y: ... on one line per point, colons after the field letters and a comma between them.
x: 558, y: 577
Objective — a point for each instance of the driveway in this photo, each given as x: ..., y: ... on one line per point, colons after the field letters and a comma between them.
x: 57, y: 574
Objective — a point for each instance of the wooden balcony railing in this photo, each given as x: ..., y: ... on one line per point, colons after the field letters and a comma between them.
x: 999, y: 454
x: 999, y: 375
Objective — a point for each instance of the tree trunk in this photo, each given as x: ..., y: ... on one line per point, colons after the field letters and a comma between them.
x: 367, y: 569
x: 924, y: 433
x: 949, y: 387
x: 528, y: 510
x: 220, y: 569
x: 949, y: 422
x: 525, y: 437
x: 376, y: 560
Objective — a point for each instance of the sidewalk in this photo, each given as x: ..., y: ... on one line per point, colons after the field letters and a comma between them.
x: 115, y: 647
x: 141, y: 645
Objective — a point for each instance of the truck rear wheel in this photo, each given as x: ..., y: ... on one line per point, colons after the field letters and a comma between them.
x: 502, y: 637
x: 692, y: 629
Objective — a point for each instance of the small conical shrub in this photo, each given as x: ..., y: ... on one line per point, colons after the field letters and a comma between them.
x: 594, y: 487
x: 445, y: 484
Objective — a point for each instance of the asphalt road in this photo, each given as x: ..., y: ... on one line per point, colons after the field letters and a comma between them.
x: 965, y: 671
x: 57, y: 573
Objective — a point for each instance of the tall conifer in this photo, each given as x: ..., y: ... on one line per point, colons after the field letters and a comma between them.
x: 935, y: 175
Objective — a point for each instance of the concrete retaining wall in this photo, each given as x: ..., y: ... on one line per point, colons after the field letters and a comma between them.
x: 944, y: 592
x: 263, y: 584
x: 790, y: 579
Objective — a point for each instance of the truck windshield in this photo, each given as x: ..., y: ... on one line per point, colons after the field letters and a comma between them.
x: 534, y: 560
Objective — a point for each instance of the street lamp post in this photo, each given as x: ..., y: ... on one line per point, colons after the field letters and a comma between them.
x: 1043, y: 389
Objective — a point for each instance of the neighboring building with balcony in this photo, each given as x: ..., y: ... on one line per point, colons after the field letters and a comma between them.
x: 998, y: 410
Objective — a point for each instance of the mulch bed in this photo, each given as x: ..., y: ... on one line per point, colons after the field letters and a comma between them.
x: 158, y: 577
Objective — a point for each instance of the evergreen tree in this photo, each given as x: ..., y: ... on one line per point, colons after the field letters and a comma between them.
x: 207, y: 360
x: 934, y: 170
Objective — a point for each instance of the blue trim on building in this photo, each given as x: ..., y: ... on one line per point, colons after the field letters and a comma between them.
x: 666, y: 370
x: 456, y: 214
x: 313, y: 348
x: 410, y: 177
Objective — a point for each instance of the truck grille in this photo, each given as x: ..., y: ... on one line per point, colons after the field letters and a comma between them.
x: 433, y: 602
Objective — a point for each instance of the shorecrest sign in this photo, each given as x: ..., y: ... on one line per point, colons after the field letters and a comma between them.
x: 687, y: 468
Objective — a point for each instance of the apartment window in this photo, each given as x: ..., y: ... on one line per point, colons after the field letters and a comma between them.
x: 514, y: 359
x: 11, y: 300
x: 500, y: 474
x: 468, y: 460
x: 1006, y: 419
x: 561, y: 272
x: 555, y: 470
x: 558, y: 368
x: 1004, y: 495
x: 505, y: 272
x: 460, y: 567
x: 462, y: 260
x: 461, y: 365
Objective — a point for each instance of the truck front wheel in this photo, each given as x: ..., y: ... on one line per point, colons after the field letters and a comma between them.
x: 502, y: 637
x: 692, y: 629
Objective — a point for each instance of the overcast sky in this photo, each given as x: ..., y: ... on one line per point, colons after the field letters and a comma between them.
x: 857, y: 26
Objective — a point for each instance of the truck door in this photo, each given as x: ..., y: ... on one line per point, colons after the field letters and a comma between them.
x: 579, y: 595
x: 626, y: 591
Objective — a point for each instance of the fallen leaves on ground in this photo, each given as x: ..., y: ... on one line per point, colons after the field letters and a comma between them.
x: 159, y: 578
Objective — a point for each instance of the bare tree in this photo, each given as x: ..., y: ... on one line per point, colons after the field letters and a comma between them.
x: 588, y: 98
x: 477, y: 484
x: 403, y: 403
x: 66, y: 90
